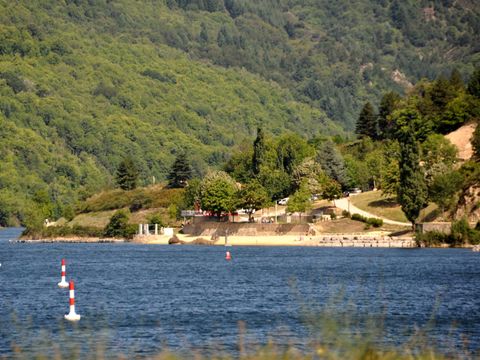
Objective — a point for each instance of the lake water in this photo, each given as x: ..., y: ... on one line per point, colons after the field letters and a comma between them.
x: 142, y: 299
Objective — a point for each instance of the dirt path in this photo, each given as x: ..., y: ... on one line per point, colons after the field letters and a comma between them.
x: 346, y: 204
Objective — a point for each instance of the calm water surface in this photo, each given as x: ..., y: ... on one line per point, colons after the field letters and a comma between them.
x: 142, y: 299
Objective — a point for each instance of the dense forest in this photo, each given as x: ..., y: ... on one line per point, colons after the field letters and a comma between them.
x: 86, y: 83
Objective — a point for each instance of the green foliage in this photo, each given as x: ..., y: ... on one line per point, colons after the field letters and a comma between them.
x: 412, y: 190
x: 149, y: 197
x: 476, y: 142
x: 218, y: 193
x: 300, y: 200
x: 253, y: 196
x: 332, y: 190
x: 180, y: 172
x: 461, y: 234
x: 444, y: 187
x: 367, y: 123
x: 127, y: 174
x: 259, y: 150
x: 386, y: 125
x: 332, y: 162
x: 192, y: 195
x: 375, y: 222
x: 118, y: 226
x: 474, y: 83
x: 83, y: 84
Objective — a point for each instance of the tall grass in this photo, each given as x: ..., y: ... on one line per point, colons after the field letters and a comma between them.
x: 336, y: 330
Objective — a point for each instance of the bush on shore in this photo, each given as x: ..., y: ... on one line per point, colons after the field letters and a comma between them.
x: 375, y: 222
x: 460, y: 234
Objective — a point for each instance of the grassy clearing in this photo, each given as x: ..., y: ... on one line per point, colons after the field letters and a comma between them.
x: 387, y: 207
x: 156, y: 196
x: 348, y: 226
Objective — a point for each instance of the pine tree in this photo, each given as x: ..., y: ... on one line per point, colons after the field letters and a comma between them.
x: 474, y: 83
x: 476, y: 142
x: 385, y: 124
x: 456, y: 80
x: 259, y: 150
x: 332, y: 162
x: 203, y: 37
x: 180, y: 172
x: 127, y: 174
x: 367, y: 122
x: 412, y: 189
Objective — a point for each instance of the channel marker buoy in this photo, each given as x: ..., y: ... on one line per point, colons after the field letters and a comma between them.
x: 228, y: 256
x: 72, y: 315
x: 63, y: 283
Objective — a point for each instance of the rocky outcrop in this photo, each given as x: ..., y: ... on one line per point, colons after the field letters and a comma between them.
x: 469, y: 204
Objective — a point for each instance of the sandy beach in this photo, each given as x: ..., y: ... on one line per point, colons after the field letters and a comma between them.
x: 372, y: 239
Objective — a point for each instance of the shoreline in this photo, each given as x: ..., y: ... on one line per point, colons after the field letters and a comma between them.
x: 333, y: 240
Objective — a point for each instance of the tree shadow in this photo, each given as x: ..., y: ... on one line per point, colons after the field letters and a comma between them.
x: 401, y: 232
x: 384, y: 203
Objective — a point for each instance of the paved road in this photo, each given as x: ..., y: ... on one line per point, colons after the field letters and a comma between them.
x: 343, y: 204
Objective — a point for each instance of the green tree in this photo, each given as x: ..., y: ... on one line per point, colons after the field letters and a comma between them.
x: 203, y: 37
x: 300, y: 200
x: 291, y: 150
x: 386, y: 126
x: 476, y: 142
x: 367, y: 123
x: 332, y: 190
x: 443, y: 189
x: 438, y: 156
x: 253, y: 196
x: 118, y: 226
x: 192, y: 196
x: 473, y: 85
x: 456, y: 80
x: 412, y: 190
x: 127, y: 174
x: 218, y: 193
x: 332, y: 162
x: 310, y: 173
x: 180, y: 172
x: 259, y: 150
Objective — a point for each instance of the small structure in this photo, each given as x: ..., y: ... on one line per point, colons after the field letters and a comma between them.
x: 72, y: 315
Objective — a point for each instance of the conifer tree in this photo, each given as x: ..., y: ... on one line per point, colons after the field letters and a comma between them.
x: 474, y: 83
x: 259, y: 150
x: 476, y: 142
x: 412, y: 189
x: 180, y: 172
x: 456, y: 80
x: 127, y: 174
x: 367, y: 122
x: 385, y: 124
x: 332, y: 162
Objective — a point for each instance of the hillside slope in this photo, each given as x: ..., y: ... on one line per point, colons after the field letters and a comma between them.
x: 84, y: 83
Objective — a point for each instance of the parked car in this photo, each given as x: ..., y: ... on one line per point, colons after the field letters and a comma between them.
x: 355, y: 191
x: 283, y: 201
x: 314, y: 197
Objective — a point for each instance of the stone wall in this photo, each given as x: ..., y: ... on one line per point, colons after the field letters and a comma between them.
x: 362, y: 241
x: 244, y: 229
x: 442, y: 227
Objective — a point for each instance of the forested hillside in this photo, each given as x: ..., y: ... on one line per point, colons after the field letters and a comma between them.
x: 84, y: 83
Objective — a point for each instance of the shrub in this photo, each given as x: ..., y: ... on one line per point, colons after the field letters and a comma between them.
x: 358, y: 217
x: 432, y: 238
x: 119, y: 227
x: 346, y: 214
x: 375, y: 222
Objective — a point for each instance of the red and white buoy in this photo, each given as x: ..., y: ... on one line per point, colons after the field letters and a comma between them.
x: 72, y: 315
x: 228, y: 256
x: 63, y: 283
